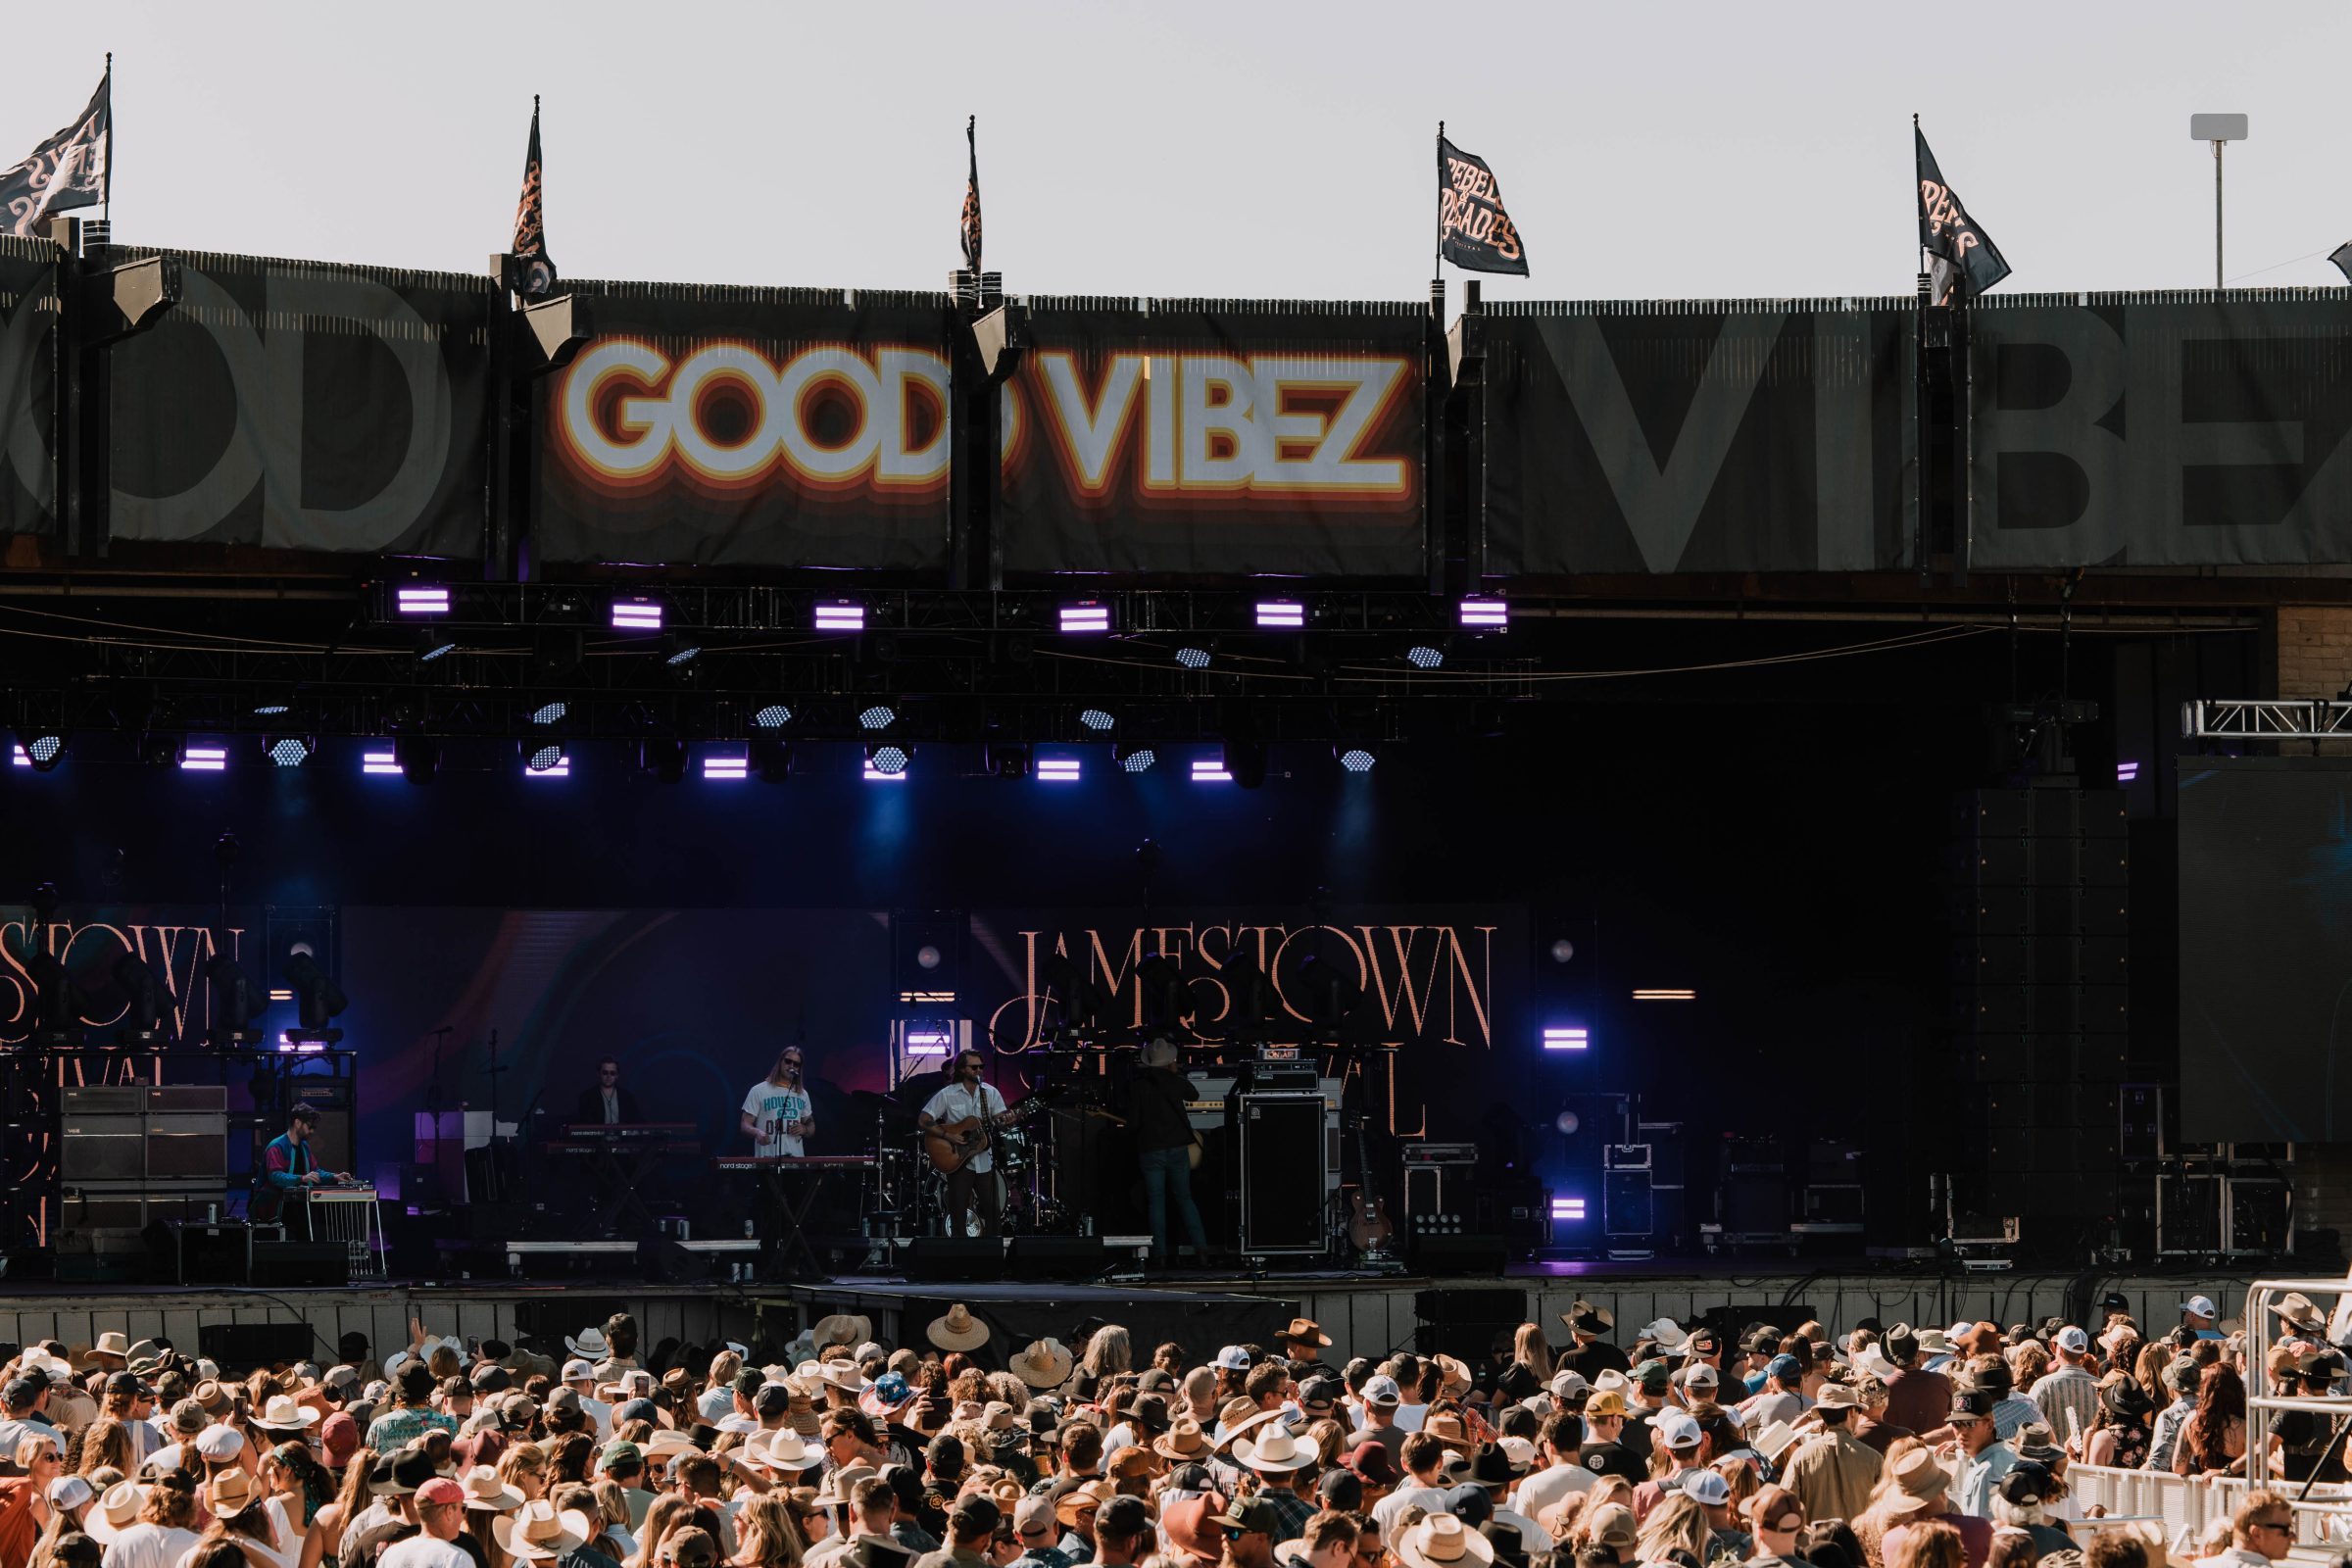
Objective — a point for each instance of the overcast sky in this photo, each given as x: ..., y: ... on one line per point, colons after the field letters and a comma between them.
x: 1266, y: 148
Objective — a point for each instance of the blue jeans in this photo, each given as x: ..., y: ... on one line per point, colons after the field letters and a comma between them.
x: 1166, y: 1172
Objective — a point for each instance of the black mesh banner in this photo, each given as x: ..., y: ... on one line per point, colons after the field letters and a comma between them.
x: 1221, y: 437
x: 27, y: 383
x: 744, y: 426
x: 2161, y: 430
x: 1735, y: 436
x: 302, y: 406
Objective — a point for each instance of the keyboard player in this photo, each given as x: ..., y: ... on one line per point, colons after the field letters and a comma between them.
x: 606, y: 1102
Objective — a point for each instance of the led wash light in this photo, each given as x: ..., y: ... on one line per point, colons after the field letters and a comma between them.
x: 290, y: 750
x: 1135, y: 759
x: 1568, y: 1209
x: 1192, y: 658
x: 1566, y: 1037
x: 547, y: 762
x: 722, y: 768
x: 378, y: 762
x: 550, y: 712
x: 1356, y: 760
x: 1281, y: 614
x: 1425, y: 656
x: 1086, y: 615
x: 1097, y: 719
x: 776, y: 715
x: 422, y: 600
x: 2126, y: 773
x: 1058, y: 770
x: 879, y: 717
x: 1210, y: 770
x: 841, y: 616
x: 204, y: 759
x: 888, y: 762
x: 636, y: 614
x: 1485, y: 614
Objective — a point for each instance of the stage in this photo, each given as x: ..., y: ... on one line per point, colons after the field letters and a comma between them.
x: 1364, y: 1315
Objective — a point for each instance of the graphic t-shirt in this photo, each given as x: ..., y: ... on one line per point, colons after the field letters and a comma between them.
x: 772, y: 1105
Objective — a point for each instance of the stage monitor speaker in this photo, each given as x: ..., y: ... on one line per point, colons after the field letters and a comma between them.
x: 195, y: 1252
x: 1471, y: 1254
x: 1057, y: 1257
x: 1284, y: 1173
x: 257, y: 1344
x: 301, y: 1264
x: 959, y: 1258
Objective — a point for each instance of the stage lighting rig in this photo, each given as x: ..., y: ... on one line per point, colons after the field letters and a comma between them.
x: 434, y: 642
x: 316, y: 996
x: 888, y: 761
x: 1134, y: 756
x: 145, y: 996
x: 418, y: 757
x: 771, y: 715
x: 40, y: 750
x: 289, y: 750
x: 237, y: 1006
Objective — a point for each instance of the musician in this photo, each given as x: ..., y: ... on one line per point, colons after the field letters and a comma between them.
x: 777, y: 1113
x: 604, y: 1103
x: 290, y: 1165
x: 966, y: 1096
x: 1163, y: 1146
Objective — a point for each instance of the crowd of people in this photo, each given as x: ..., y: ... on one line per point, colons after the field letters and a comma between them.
x: 1886, y: 1446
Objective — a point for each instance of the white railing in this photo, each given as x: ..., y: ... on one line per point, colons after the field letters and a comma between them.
x: 2193, y: 1508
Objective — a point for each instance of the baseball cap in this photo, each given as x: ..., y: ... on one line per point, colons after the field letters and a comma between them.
x: 2200, y: 1306
x: 1567, y: 1383
x: 1607, y: 1402
x: 440, y: 1490
x: 219, y: 1444
x: 1382, y: 1391
x: 1232, y: 1358
x: 1033, y: 1517
x: 1121, y: 1517
x: 70, y: 1492
x: 1373, y: 1462
x: 1468, y: 1502
x: 1786, y: 1368
x: 1319, y: 1393
x: 773, y: 1398
x: 1341, y: 1489
x: 578, y: 1370
x: 1653, y: 1377
x: 1612, y: 1524
x: 1252, y: 1513
x: 2073, y: 1339
x: 621, y: 1452
x: 1676, y: 1430
x: 1707, y: 1487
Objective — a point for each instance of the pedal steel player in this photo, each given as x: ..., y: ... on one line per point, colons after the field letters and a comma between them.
x: 290, y: 1165
x: 965, y: 1098
x: 777, y: 1113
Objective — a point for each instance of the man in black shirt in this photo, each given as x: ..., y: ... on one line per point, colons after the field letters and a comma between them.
x: 1591, y: 1356
x: 605, y: 1101
x: 1163, y: 1141
x: 1604, y: 1424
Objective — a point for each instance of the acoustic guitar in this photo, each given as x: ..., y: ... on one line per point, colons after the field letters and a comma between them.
x: 950, y: 1145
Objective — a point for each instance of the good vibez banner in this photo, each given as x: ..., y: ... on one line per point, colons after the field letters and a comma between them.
x: 743, y: 426
x: 1216, y: 437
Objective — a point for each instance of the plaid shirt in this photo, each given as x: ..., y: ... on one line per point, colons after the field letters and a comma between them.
x: 1291, y: 1508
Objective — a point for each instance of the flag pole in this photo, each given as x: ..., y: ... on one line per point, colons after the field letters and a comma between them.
x: 1436, y: 264
x: 106, y: 191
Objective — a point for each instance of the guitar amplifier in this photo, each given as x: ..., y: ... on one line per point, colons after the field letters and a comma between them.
x: 1287, y: 1172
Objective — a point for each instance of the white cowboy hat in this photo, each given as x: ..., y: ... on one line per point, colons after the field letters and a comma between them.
x: 1275, y: 1450
x: 283, y: 1414
x: 957, y: 1330
x: 112, y: 1342
x: 1665, y: 1333
x: 536, y: 1532
x: 844, y: 1375
x: 590, y: 1344
x: 485, y: 1493
x: 116, y: 1512
x: 1442, y: 1541
x: 783, y: 1449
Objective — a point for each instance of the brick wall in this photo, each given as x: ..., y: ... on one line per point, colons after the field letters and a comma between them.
x: 2315, y: 649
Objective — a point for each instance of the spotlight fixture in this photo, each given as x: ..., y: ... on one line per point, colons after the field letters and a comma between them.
x: 1281, y: 614
x: 272, y: 710
x: 145, y: 996
x: 417, y: 756
x: 1058, y: 770
x: 432, y: 641
x: 206, y: 756
x: 776, y: 715
x: 1210, y: 770
x: 1485, y: 614
x: 1355, y: 758
x: 1097, y: 719
x: 888, y: 761
x: 722, y: 768
x: 636, y: 614
x: 421, y: 600
x: 1193, y: 656
x: 1086, y: 615
x: 40, y: 749
x: 678, y: 651
x: 550, y: 712
x: 1425, y: 656
x: 547, y: 762
x: 880, y: 717
x: 316, y: 996
x: 1134, y: 758
x: 840, y: 615
x: 237, y: 1004
x: 291, y: 751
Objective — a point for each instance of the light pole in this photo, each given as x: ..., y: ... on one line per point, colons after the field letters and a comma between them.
x: 2216, y: 129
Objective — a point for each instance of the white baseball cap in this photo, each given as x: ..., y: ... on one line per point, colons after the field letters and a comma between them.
x: 2200, y: 1306
x: 1232, y: 1358
x: 1707, y: 1487
x: 577, y: 1370
x: 219, y: 1444
x: 2073, y: 1339
x: 1676, y: 1430
x: 1382, y: 1391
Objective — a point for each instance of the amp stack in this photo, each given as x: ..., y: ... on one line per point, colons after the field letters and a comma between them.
x: 131, y: 1155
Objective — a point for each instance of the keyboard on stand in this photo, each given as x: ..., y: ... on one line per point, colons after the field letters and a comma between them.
x: 792, y: 1163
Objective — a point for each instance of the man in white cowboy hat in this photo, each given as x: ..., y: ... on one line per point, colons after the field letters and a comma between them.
x: 1442, y: 1541
x: 957, y: 1330
x: 440, y: 1505
x: 1279, y: 1459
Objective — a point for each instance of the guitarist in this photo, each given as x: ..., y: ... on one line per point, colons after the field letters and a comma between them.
x: 1164, y: 1140
x: 967, y: 1099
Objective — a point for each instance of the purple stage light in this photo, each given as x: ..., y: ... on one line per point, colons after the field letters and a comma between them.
x: 21, y: 759
x: 424, y: 600
x: 1490, y: 614
x: 1058, y: 770
x: 841, y: 616
x: 547, y: 762
x: 204, y: 759
x: 378, y: 762
x: 929, y: 1040
x: 886, y: 762
x: 636, y: 614
x: 1210, y: 770
x: 1086, y: 615
x: 289, y: 1046
x: 1568, y: 1209
x: 726, y: 767
x: 2126, y: 773
x: 1281, y: 614
x: 1566, y: 1037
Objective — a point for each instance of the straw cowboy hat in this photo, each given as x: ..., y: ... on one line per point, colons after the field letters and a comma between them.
x: 842, y: 1328
x: 1184, y: 1441
x: 486, y: 1494
x: 116, y: 1512
x: 1920, y: 1480
x: 1043, y: 1364
x: 957, y: 1330
x: 536, y: 1532
x: 844, y: 1376
x: 1275, y: 1450
x: 230, y: 1493
x: 1442, y: 1541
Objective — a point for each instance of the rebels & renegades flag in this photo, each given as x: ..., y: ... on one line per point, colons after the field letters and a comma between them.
x: 1964, y: 253
x: 534, y: 268
x: 971, y: 199
x: 1474, y: 232
x: 66, y: 171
